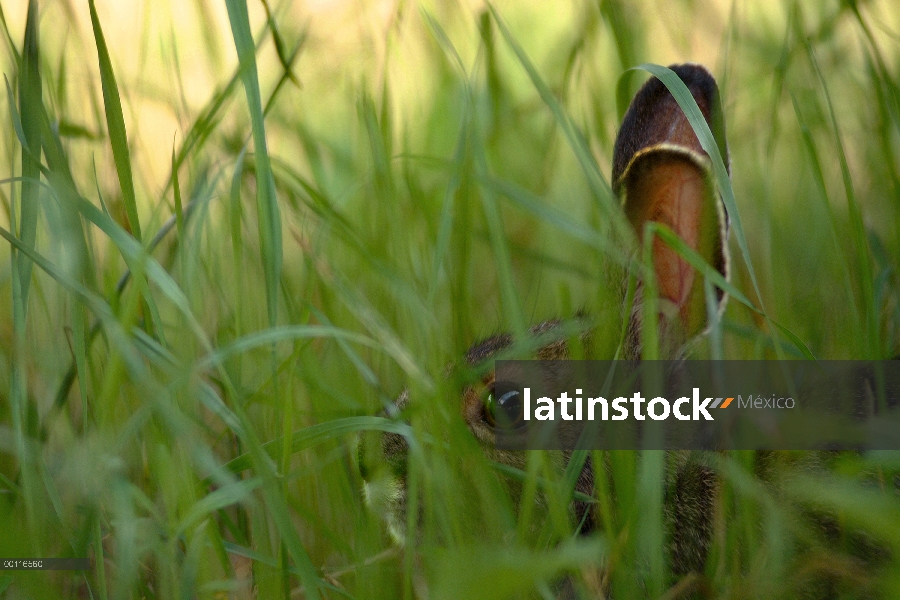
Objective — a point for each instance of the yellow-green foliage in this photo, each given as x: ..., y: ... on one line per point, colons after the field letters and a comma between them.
x: 218, y: 265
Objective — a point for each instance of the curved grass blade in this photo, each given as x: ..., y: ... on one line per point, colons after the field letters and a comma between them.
x: 67, y: 381
x: 316, y: 434
x: 712, y: 275
x: 598, y: 185
x: 223, y: 497
x: 11, y: 45
x: 97, y: 304
x: 561, y: 220
x: 277, y: 334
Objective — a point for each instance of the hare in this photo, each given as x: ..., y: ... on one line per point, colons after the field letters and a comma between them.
x: 660, y: 173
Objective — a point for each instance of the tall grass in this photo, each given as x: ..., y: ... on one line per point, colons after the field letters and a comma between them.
x: 193, y: 334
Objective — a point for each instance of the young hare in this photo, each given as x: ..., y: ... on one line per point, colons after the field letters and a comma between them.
x: 660, y: 173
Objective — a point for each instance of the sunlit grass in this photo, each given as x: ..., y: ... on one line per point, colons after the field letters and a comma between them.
x: 234, y: 235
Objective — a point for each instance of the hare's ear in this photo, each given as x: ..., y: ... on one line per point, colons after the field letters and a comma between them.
x: 661, y: 173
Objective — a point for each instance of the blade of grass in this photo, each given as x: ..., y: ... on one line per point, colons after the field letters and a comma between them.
x: 883, y: 74
x: 115, y: 123
x: 227, y: 495
x: 271, y: 249
x: 133, y: 253
x: 235, y: 208
x: 11, y: 45
x: 205, y: 124
x: 600, y: 188
x: 317, y: 434
x: 64, y: 386
x: 35, y: 116
x: 61, y: 182
x: 628, y: 45
x: 712, y: 275
x: 458, y: 189
x: 179, y: 214
x: 510, y: 301
x: 118, y: 138
x: 97, y: 305
x: 30, y: 92
x: 567, y: 224
x: 80, y: 344
x: 286, y: 59
x: 276, y: 334
x: 858, y: 231
x: 818, y: 176
x: 267, y: 203
x: 499, y: 572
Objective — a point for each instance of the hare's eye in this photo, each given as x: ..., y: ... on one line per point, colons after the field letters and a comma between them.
x: 503, y: 405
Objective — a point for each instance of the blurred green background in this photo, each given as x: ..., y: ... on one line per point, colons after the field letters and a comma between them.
x: 203, y: 255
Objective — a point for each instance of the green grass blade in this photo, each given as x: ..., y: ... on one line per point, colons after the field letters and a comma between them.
x: 271, y: 249
x: 469, y: 144
x: 712, y: 275
x: 818, y: 176
x: 461, y: 170
x: 284, y: 57
x: 510, y: 301
x: 798, y: 343
x: 11, y: 45
x: 80, y: 345
x: 179, y: 218
x: 565, y: 223
x: 273, y: 335
x: 227, y: 495
x: 29, y: 98
x: 29, y: 91
x: 15, y: 117
x: 693, y: 258
x: 95, y: 302
x: 235, y: 209
x: 342, y: 228
x: 65, y: 385
x: 115, y: 123
x: 138, y: 260
x: 857, y: 229
x: 59, y: 175
x: 317, y: 434
x: 617, y: 14
x: 598, y: 184
x: 267, y: 203
x: 486, y: 572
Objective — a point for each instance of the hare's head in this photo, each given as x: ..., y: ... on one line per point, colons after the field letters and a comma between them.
x: 661, y: 174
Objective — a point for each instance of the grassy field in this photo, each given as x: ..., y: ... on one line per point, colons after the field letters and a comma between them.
x: 232, y: 234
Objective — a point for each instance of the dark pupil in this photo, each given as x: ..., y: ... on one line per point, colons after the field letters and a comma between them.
x: 506, y: 405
